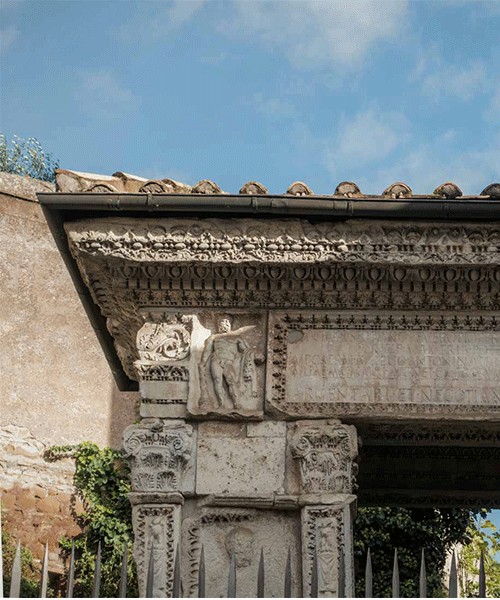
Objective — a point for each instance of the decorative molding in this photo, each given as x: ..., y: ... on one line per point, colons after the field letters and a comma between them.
x: 159, y: 454
x: 325, y: 452
x: 292, y: 241
x: 161, y: 372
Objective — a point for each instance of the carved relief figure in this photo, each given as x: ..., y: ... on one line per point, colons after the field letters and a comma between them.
x: 327, y: 558
x: 228, y: 367
x: 240, y: 541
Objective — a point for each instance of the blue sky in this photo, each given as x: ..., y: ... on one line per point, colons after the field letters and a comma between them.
x: 369, y: 91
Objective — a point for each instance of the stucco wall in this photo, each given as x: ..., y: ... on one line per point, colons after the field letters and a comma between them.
x: 54, y: 379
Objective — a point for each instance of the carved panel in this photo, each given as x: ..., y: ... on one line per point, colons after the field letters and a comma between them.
x: 325, y: 452
x: 227, y: 358
x: 368, y: 364
x: 221, y: 531
x: 156, y: 531
x: 163, y: 341
x: 159, y: 453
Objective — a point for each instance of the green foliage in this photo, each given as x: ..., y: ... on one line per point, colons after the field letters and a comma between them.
x: 409, y: 530
x: 26, y: 157
x: 484, y: 537
x: 30, y: 576
x: 101, y: 478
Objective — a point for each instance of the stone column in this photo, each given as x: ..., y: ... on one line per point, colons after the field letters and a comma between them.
x: 159, y: 453
x: 325, y: 451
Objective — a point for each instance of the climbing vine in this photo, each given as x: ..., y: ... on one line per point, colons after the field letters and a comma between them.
x: 102, y: 483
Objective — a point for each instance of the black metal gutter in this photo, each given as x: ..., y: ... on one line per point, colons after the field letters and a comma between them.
x: 60, y: 207
x: 420, y: 207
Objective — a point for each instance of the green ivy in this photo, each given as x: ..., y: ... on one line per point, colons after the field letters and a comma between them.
x: 102, y: 482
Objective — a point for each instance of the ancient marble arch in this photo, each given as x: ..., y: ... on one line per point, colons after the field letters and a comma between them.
x: 295, y: 355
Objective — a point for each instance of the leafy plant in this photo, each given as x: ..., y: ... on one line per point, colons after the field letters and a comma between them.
x: 26, y: 157
x: 409, y: 530
x: 484, y: 537
x: 101, y: 479
x: 30, y: 576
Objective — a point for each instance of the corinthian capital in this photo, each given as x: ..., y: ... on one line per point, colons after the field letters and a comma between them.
x: 326, y: 451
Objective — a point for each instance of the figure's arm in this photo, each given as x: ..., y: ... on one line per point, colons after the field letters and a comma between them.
x: 241, y: 330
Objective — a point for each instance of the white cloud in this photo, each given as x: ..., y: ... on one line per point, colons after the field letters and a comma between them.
x: 275, y: 108
x: 8, y: 36
x: 369, y: 137
x: 492, y: 112
x: 316, y: 33
x: 424, y: 166
x: 100, y: 94
x: 155, y: 20
x: 460, y: 81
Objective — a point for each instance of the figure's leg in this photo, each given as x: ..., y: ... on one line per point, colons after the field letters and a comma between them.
x: 218, y: 379
x: 231, y: 380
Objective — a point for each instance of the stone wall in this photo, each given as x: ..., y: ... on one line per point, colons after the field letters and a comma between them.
x: 56, y: 386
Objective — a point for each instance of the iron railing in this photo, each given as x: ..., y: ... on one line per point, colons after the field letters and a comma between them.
x: 15, y: 582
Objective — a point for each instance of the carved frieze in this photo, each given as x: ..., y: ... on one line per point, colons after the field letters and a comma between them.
x: 275, y: 241
x: 386, y: 364
x: 159, y: 453
x: 227, y: 264
x: 162, y: 342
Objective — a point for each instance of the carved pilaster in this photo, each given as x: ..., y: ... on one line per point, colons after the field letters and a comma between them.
x: 156, y: 531
x: 325, y: 452
x: 159, y: 453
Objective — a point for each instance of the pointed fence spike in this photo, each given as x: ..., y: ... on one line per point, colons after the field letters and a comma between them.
x: 71, y: 573
x: 422, y: 583
x: 15, y: 578
x: 453, y: 582
x: 261, y: 576
x: 368, y: 576
x: 288, y: 576
x: 201, y: 574
x: 341, y: 582
x: 45, y: 572
x: 1, y: 551
x: 482, y: 576
x: 314, y: 575
x: 395, y: 575
x: 177, y: 574
x: 96, y: 584
x: 231, y: 582
x: 122, y: 591
x: 150, y: 576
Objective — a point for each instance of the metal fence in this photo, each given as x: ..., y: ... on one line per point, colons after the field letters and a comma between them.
x: 15, y: 583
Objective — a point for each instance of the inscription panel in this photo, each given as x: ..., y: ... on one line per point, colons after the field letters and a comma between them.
x: 356, y: 365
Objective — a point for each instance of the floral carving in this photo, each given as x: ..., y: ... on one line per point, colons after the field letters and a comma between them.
x: 326, y: 453
x: 163, y: 341
x: 159, y: 454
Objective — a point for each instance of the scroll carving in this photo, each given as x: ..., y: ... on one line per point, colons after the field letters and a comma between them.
x: 326, y: 453
x: 159, y: 454
x: 163, y: 341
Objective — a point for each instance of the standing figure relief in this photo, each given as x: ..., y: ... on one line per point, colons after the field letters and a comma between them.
x: 228, y: 378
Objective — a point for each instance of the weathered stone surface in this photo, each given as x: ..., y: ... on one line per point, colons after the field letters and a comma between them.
x: 245, y: 532
x: 55, y: 379
x: 24, y: 187
x: 326, y: 364
x: 239, y: 466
